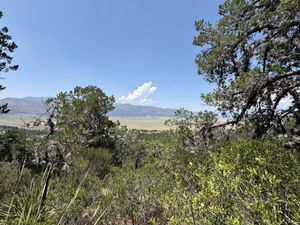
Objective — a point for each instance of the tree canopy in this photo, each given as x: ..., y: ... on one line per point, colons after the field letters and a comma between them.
x: 82, y: 115
x: 7, y: 46
x: 252, y: 54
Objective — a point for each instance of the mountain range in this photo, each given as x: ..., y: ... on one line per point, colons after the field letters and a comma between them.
x: 35, y: 106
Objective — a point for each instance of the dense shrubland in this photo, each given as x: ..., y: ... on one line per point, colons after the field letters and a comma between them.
x: 162, y: 179
x: 87, y: 169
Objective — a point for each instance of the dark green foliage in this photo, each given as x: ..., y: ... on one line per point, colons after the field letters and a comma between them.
x: 252, y: 55
x: 9, y: 175
x: 7, y: 46
x: 13, y: 145
x: 99, y: 160
x: 81, y: 118
x: 82, y: 115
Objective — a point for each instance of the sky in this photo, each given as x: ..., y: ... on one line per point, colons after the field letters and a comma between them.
x: 140, y: 51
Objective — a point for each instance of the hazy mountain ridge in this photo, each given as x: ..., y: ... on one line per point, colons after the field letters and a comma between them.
x: 35, y: 106
x: 26, y: 105
x: 128, y: 110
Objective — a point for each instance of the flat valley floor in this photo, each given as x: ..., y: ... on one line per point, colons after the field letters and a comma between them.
x: 146, y: 123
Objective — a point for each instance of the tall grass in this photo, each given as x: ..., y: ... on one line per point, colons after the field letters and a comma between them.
x: 25, y: 207
x: 6, y: 214
x: 74, y: 198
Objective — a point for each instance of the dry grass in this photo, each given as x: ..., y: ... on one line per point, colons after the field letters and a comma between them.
x: 147, y: 123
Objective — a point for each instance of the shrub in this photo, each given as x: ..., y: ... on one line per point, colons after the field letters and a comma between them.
x: 12, y: 144
x: 243, y: 182
x: 98, y: 160
x: 9, y: 176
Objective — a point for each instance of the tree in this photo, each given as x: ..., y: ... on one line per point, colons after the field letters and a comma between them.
x: 13, y: 145
x: 252, y: 54
x: 81, y: 115
x: 6, y: 47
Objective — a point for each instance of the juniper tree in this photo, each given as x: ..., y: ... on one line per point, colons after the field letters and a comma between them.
x: 82, y: 116
x: 252, y: 54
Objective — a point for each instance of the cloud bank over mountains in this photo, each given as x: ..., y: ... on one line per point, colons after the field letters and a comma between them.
x: 141, y: 95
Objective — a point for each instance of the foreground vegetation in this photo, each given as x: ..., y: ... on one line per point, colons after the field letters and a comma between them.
x: 235, y: 181
x: 87, y: 169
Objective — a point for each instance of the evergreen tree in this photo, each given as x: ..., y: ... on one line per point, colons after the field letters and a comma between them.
x: 7, y: 46
x: 252, y: 54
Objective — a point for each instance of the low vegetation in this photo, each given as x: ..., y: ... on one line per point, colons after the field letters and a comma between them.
x: 147, y: 177
x: 87, y: 169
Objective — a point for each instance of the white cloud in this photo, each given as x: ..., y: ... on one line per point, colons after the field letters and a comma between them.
x: 140, y: 95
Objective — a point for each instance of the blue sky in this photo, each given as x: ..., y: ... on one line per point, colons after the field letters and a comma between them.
x: 139, y: 51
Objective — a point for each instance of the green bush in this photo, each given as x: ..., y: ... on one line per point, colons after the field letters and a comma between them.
x: 98, y: 160
x: 137, y: 195
x: 244, y: 182
x: 9, y: 179
x: 12, y: 144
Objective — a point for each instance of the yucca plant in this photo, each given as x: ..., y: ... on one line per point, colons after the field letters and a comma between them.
x: 26, y: 207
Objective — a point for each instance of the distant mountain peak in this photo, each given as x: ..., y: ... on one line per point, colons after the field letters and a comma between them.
x: 35, y: 106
